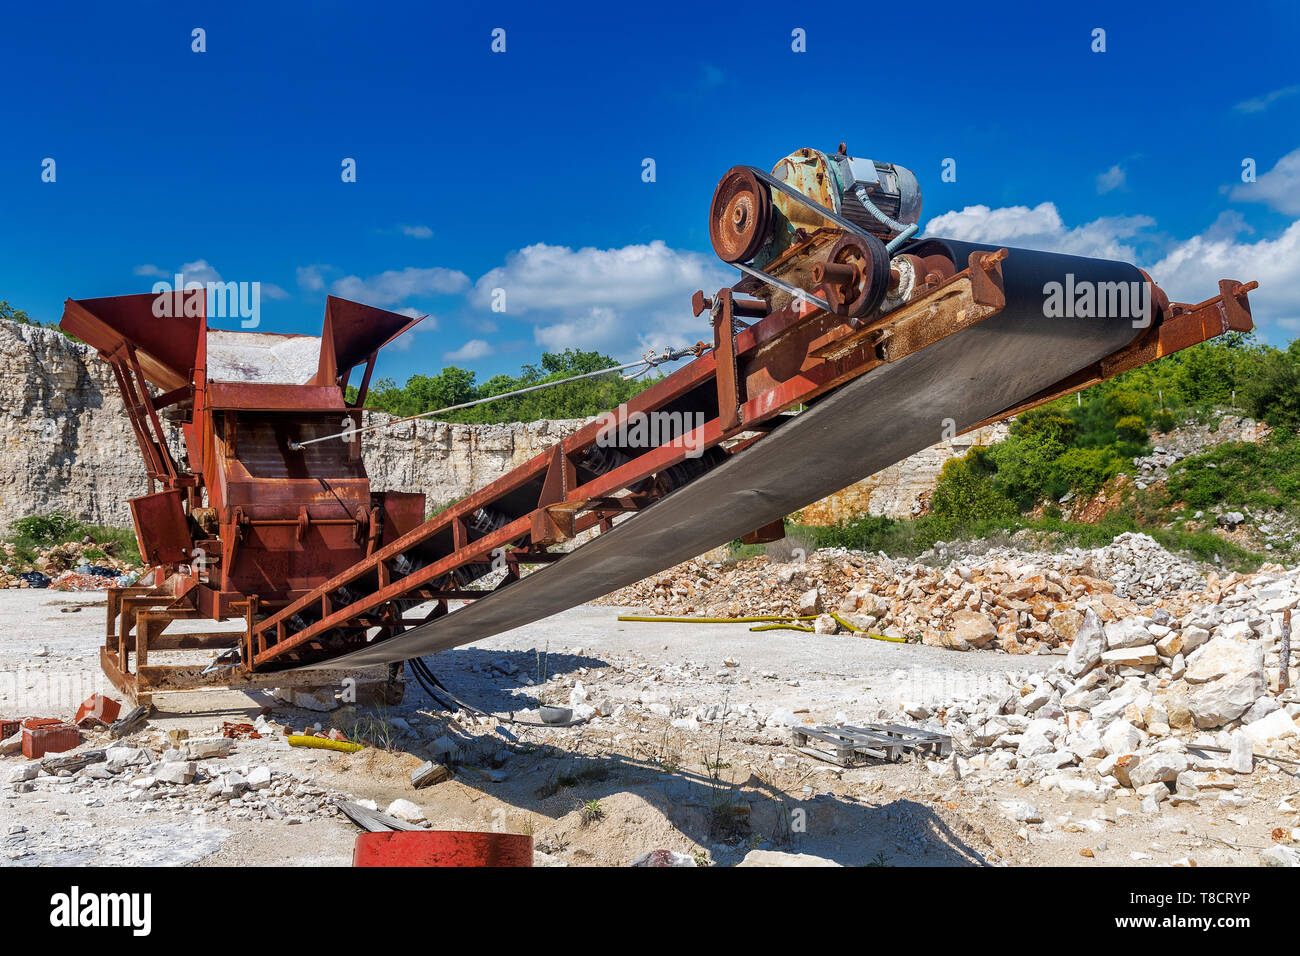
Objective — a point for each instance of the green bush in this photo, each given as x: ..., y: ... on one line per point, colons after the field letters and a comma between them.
x: 1130, y: 428
x: 53, y: 528
x: 1081, y: 442
x: 966, y: 491
x: 1126, y: 403
x: 908, y: 538
x: 1260, y: 474
x: 1046, y: 424
x: 1207, y: 373
x: 46, y: 531
x: 1085, y: 470
x: 1272, y: 390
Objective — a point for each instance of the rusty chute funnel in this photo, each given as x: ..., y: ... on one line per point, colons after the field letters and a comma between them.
x: 353, y: 333
x: 162, y: 330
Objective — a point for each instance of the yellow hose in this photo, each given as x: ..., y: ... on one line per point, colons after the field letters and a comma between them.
x: 324, y: 743
x: 722, y: 620
x: 875, y: 637
x: 767, y: 627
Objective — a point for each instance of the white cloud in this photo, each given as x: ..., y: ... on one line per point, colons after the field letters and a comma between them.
x: 393, y: 286
x: 620, y: 301
x: 1188, y: 270
x: 543, y: 277
x: 312, y: 278
x: 1259, y: 104
x: 471, y: 350
x: 1279, y: 187
x: 1041, y: 228
x: 1191, y: 269
x: 429, y: 323
x: 416, y: 232
x: 1113, y: 178
x: 200, y: 271
x: 197, y: 271
x: 594, y: 325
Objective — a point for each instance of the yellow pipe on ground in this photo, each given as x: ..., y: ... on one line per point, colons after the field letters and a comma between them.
x: 721, y: 620
x: 324, y: 743
x: 875, y: 637
x: 764, y: 626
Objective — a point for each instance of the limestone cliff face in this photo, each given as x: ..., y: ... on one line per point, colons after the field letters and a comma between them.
x: 901, y: 490
x: 66, y: 443
x: 447, y: 462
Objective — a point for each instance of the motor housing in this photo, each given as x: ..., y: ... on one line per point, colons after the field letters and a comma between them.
x: 841, y: 183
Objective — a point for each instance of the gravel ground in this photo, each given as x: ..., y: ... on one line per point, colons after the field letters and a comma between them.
x: 659, y: 778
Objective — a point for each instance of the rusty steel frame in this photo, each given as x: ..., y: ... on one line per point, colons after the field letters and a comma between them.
x: 278, y: 527
x: 789, y: 357
x: 764, y: 362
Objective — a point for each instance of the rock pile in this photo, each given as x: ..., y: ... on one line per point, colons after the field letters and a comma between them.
x: 75, y: 565
x: 1004, y: 599
x: 1179, y: 709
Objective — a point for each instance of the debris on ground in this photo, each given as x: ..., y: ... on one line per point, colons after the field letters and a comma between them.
x: 72, y: 566
x: 663, y: 858
x: 428, y: 774
x: 1160, y: 731
x: 47, y: 735
x: 1004, y: 599
x: 97, y: 711
x: 133, y: 721
x: 237, y: 730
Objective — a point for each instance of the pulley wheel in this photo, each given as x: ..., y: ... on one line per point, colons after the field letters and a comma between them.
x: 739, y: 216
x: 871, y: 262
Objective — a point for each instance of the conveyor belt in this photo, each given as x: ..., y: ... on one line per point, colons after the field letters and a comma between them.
x: 324, y: 570
x: 868, y: 424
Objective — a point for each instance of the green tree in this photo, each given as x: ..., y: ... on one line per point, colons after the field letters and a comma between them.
x: 12, y: 314
x: 455, y: 386
x: 966, y: 491
x: 1272, y: 390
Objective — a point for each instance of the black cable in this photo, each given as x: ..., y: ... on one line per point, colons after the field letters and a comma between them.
x: 427, y: 680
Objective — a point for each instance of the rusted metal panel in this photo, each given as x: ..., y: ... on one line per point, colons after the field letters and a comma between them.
x: 165, y: 344
x: 772, y: 531
x: 724, y: 355
x: 403, y: 512
x: 352, y: 332
x: 161, y: 528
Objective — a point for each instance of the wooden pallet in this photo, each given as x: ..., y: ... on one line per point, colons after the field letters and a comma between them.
x: 846, y: 746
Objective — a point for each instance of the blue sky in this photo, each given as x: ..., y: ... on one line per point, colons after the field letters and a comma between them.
x: 522, y: 169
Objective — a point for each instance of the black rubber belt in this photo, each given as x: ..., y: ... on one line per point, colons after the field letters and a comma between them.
x: 868, y: 424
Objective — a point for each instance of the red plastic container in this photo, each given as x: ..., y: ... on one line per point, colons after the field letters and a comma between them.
x: 48, y: 735
x: 9, y: 727
x: 442, y: 848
